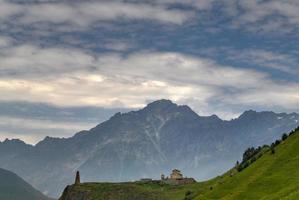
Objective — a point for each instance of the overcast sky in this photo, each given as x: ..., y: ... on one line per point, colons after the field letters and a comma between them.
x: 68, y: 65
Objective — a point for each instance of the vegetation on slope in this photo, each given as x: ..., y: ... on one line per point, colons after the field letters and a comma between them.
x: 274, y: 175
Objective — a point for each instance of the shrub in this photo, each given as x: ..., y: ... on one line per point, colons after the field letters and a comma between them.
x: 188, y: 195
x: 284, y: 137
x: 253, y: 159
x: 277, y: 142
x: 273, y: 150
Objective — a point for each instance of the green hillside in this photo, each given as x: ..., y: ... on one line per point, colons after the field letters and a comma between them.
x: 275, y: 175
x: 271, y: 173
x: 12, y: 187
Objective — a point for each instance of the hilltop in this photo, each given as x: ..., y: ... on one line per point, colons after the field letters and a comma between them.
x: 272, y: 173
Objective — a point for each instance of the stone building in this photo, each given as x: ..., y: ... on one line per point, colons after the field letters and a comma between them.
x: 176, y: 174
x: 176, y: 178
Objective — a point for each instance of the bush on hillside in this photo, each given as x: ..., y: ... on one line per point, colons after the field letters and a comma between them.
x: 277, y: 142
x: 284, y: 137
x: 249, y: 153
x: 252, y: 154
x: 294, y: 131
x: 189, y: 195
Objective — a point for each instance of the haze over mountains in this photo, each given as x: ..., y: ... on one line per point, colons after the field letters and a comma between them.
x: 12, y: 187
x: 144, y: 143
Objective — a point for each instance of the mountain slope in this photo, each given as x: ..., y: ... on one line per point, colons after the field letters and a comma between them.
x: 13, y: 187
x: 146, y: 143
x: 272, y: 176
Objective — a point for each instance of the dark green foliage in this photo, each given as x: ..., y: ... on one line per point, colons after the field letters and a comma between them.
x: 284, y: 137
x: 249, y: 153
x: 252, y: 154
x: 237, y: 164
x: 294, y: 131
x: 243, y: 165
x: 253, y: 159
x: 273, y: 150
x: 277, y: 142
x: 189, y: 195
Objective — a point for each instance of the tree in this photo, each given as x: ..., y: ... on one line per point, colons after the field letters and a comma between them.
x: 284, y: 137
x: 188, y: 195
x: 277, y: 142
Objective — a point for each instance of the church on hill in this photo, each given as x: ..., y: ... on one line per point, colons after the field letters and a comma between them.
x: 176, y: 178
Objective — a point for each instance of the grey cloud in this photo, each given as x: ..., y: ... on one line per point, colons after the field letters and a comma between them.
x: 264, y: 58
x: 267, y: 16
x: 84, y: 14
x: 32, y: 130
x: 128, y: 81
x: 5, y: 42
x: 28, y: 60
x: 34, y: 121
x: 42, y: 111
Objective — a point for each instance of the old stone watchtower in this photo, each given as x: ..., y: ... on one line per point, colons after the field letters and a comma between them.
x: 77, y: 180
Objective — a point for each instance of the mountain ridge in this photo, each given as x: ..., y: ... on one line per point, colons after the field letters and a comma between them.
x: 246, y: 113
x: 146, y: 143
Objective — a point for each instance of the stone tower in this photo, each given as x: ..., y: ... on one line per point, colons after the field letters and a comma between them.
x: 77, y: 180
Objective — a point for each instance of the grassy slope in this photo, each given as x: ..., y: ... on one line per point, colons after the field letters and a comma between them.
x: 272, y: 176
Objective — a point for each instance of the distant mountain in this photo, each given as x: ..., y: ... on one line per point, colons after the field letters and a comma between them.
x: 146, y: 143
x: 12, y: 187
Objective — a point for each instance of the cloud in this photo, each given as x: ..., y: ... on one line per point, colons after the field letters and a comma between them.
x: 32, y: 122
x: 198, y: 4
x: 42, y: 111
x: 127, y: 53
x: 116, y: 45
x: 5, y: 42
x: 267, y: 59
x: 84, y: 14
x: 33, y: 130
x: 28, y: 60
x: 74, y: 77
x: 266, y: 16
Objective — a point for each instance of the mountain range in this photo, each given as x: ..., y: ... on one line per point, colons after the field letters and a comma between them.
x: 144, y: 143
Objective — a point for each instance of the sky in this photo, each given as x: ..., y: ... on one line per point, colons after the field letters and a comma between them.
x: 67, y: 65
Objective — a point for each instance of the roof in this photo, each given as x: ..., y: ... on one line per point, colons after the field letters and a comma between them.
x: 176, y: 170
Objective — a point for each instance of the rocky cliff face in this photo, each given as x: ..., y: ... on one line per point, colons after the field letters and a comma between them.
x: 146, y: 143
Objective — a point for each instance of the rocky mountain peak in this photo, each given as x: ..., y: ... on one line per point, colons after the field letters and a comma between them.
x: 160, y: 105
